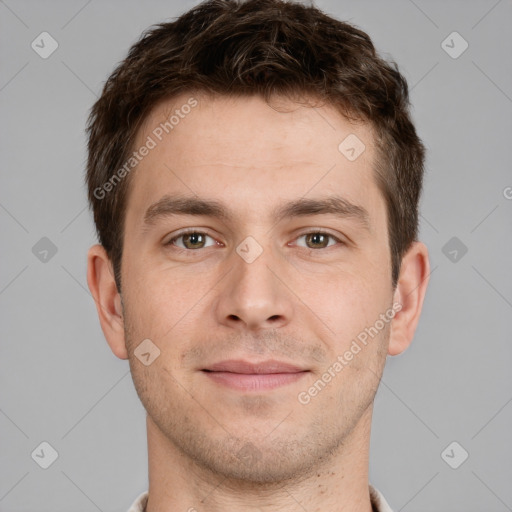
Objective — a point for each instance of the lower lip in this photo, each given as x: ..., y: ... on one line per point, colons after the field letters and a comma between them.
x: 253, y: 381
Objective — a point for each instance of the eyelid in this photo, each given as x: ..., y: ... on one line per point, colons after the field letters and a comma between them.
x: 187, y: 231
x: 320, y: 231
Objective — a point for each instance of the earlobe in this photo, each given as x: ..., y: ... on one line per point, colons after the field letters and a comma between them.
x: 410, y: 293
x: 103, y: 288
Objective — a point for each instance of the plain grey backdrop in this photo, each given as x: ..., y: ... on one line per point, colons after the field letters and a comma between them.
x: 443, y: 416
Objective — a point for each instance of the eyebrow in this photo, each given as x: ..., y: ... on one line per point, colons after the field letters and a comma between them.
x: 181, y: 205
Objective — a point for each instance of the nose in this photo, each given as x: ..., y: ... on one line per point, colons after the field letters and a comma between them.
x: 253, y: 295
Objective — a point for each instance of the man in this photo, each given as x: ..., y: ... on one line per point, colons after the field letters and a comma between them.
x: 254, y: 177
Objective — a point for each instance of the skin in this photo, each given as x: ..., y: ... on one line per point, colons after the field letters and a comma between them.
x: 303, y: 301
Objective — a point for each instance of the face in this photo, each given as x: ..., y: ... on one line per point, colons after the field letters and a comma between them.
x: 256, y: 258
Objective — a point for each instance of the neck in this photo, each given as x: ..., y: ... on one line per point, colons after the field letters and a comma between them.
x: 336, y: 484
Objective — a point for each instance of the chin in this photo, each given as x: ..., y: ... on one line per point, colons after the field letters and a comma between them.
x: 249, y: 463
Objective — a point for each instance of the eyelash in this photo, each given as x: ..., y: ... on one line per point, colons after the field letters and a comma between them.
x: 196, y: 231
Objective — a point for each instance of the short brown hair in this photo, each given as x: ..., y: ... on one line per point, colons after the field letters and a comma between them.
x: 262, y: 47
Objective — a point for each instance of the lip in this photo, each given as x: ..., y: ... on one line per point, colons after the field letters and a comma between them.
x: 246, y: 367
x: 246, y: 376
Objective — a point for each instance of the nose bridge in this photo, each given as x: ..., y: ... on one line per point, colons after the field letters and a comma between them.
x: 253, y: 297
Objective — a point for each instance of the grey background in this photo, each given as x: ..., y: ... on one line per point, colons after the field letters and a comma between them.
x: 60, y: 383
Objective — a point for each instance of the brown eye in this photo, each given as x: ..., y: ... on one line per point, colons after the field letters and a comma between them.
x: 318, y: 240
x: 191, y: 241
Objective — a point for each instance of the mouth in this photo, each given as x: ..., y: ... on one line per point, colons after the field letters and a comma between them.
x: 246, y: 376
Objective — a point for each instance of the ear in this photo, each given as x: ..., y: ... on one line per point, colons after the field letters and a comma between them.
x: 100, y: 278
x: 409, y: 293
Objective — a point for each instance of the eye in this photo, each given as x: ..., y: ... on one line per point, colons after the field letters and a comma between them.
x: 191, y: 240
x: 317, y: 240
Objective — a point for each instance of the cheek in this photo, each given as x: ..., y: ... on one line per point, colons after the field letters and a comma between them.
x: 158, y: 298
x: 347, y: 307
x: 342, y: 299
x: 156, y: 388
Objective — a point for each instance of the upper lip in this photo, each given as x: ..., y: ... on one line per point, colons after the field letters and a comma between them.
x: 241, y: 366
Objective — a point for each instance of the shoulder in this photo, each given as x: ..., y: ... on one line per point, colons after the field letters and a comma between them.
x: 140, y: 503
x: 379, y: 504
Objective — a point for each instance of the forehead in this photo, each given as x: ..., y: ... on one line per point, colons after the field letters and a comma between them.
x: 282, y: 124
x: 248, y: 153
